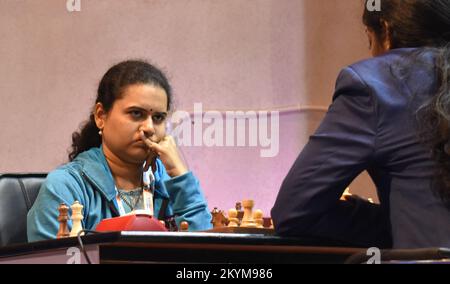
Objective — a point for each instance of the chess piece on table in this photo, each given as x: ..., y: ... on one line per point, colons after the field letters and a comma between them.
x: 346, y: 194
x: 63, y: 231
x: 171, y: 224
x: 184, y: 226
x: 258, y: 217
x: 233, y: 220
x: 218, y: 218
x: 247, y: 219
x: 267, y: 222
x: 240, y: 212
x: 77, y: 216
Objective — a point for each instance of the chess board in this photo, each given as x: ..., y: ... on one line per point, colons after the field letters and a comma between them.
x: 241, y: 221
x: 243, y: 230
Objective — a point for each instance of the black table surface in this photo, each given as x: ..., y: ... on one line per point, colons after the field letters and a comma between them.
x: 207, y: 246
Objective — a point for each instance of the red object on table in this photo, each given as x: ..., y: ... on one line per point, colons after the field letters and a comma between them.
x: 139, y: 222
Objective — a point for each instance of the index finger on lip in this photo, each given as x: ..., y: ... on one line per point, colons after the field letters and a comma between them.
x: 146, y: 140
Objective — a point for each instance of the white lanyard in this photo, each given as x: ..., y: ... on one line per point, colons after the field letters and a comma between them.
x: 147, y: 195
x: 148, y: 191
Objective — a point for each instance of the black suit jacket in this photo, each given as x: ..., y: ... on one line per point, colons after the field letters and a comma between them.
x: 371, y: 125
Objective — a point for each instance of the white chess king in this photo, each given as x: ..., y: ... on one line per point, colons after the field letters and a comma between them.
x: 77, y: 216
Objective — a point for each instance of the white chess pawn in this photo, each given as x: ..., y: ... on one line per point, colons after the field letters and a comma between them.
x: 233, y: 218
x: 76, y: 218
x: 258, y: 217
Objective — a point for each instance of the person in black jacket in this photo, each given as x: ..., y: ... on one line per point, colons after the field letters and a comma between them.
x: 383, y: 119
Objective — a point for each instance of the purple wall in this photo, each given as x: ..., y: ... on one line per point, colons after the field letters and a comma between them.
x: 228, y: 55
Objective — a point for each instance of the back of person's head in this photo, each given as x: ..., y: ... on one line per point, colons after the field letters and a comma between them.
x: 411, y: 23
x: 110, y: 89
x: 423, y: 24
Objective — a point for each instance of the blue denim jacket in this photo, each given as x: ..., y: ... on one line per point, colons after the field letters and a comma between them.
x: 88, y: 179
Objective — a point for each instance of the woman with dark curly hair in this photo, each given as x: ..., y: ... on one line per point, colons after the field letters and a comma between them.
x: 122, y: 161
x: 390, y: 116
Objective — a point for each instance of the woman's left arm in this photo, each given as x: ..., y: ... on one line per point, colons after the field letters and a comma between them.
x: 188, y: 202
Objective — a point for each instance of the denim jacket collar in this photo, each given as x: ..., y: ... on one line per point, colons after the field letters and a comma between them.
x: 97, y: 171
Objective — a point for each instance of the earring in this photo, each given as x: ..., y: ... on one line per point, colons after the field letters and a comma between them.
x: 100, y: 132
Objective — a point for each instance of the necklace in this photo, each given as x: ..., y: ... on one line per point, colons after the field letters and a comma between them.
x: 128, y: 202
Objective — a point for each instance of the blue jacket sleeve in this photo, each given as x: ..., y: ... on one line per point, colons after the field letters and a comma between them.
x: 188, y: 202
x: 42, y: 219
x: 343, y: 146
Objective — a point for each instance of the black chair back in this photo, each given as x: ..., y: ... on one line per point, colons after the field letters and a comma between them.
x: 17, y: 194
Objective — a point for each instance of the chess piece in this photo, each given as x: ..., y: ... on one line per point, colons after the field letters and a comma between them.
x: 77, y: 216
x: 266, y: 222
x: 184, y: 226
x: 346, y: 194
x: 258, y: 217
x: 240, y: 212
x: 218, y: 218
x: 233, y: 220
x: 171, y: 224
x: 63, y: 231
x: 247, y: 219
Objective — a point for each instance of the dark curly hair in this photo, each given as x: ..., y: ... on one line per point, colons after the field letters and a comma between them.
x: 424, y: 23
x: 116, y: 79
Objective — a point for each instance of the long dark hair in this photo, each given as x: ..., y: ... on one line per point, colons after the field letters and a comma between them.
x: 424, y: 23
x: 111, y: 88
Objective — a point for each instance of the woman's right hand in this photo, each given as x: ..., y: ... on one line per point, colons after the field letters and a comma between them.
x: 167, y: 151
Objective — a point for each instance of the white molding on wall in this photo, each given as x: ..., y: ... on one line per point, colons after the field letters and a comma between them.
x: 281, y: 109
